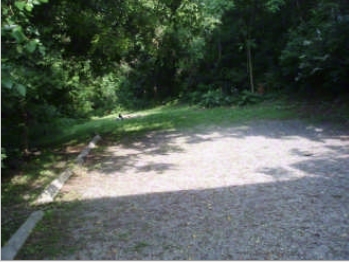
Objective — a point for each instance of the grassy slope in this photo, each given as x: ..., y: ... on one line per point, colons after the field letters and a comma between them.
x: 183, y: 116
x: 167, y: 117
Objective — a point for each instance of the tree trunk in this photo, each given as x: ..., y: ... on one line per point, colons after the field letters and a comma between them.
x: 25, y: 132
x: 219, y: 49
x: 249, y: 23
x: 250, y: 67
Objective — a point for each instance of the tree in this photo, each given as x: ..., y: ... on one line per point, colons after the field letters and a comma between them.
x: 21, y: 58
x: 315, y: 58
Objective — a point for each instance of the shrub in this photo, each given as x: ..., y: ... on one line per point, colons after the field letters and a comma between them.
x: 212, y: 98
x: 249, y: 98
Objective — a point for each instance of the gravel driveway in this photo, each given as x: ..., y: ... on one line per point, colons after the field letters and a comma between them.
x: 263, y: 190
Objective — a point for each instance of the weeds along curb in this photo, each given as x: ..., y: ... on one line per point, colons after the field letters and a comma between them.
x: 52, y: 190
x: 10, y: 250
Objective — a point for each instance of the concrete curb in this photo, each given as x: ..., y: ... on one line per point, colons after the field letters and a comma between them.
x: 10, y: 250
x: 52, y: 190
x: 86, y: 151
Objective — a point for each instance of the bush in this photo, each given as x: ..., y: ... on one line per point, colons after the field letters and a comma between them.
x: 215, y: 98
x: 212, y: 98
x: 194, y: 97
x: 249, y: 98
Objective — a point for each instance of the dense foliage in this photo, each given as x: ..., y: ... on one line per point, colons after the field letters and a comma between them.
x: 66, y: 60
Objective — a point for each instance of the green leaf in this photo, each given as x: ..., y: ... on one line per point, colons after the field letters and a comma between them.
x: 38, y: 2
x: 20, y: 5
x: 18, y: 34
x: 274, y: 5
x: 95, y: 39
x: 7, y: 83
x: 29, y: 7
x: 42, y: 50
x: 31, y: 46
x: 22, y: 90
x: 19, y: 49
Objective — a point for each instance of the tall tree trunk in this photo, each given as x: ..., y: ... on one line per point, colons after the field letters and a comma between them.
x: 249, y: 63
x: 25, y: 132
x: 249, y: 24
x: 219, y: 49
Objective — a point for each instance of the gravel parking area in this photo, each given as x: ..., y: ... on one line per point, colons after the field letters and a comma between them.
x: 262, y: 190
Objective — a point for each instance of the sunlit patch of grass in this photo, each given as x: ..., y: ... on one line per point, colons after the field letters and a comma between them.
x: 165, y: 118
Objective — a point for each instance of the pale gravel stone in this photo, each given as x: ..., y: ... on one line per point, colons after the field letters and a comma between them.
x: 263, y: 190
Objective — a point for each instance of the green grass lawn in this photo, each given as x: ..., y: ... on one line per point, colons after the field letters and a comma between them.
x: 165, y: 118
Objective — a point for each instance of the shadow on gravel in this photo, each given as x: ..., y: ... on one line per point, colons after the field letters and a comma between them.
x: 302, y: 219
x: 153, y: 144
x: 293, y: 219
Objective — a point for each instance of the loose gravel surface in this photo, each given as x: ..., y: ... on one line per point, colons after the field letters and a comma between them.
x: 262, y: 190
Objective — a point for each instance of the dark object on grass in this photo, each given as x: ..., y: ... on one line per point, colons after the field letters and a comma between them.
x: 120, y: 117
